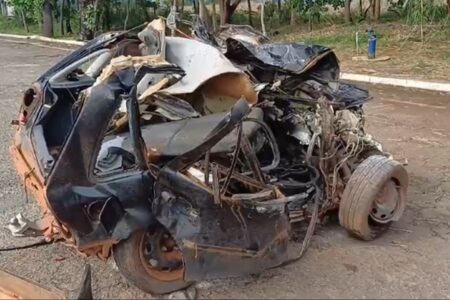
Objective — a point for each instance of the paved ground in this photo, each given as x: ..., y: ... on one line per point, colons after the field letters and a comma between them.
x: 410, y: 261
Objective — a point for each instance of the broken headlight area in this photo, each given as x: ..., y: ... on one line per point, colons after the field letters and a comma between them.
x: 197, y: 158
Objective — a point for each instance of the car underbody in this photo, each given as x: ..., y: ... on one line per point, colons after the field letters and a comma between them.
x: 201, y: 157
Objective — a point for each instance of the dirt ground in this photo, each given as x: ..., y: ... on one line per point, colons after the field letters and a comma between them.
x: 411, y: 261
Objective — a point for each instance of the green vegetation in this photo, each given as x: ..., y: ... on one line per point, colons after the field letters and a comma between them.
x: 90, y: 17
x: 396, y: 39
x: 14, y: 26
x: 413, y: 34
x: 69, y: 18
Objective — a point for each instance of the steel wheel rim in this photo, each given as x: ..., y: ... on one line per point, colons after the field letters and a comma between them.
x: 160, y: 255
x: 387, y: 203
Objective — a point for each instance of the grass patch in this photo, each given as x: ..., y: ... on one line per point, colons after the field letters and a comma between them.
x: 343, y: 37
x: 420, y: 65
x: 335, y: 41
x: 409, y: 57
x: 388, y: 35
x: 14, y: 26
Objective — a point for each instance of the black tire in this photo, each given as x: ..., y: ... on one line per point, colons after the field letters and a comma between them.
x: 129, y: 259
x: 363, y: 187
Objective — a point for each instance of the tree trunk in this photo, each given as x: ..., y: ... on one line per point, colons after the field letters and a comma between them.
x: 85, y: 33
x: 214, y: 15
x: 39, y: 21
x: 24, y: 20
x: 47, y: 24
x: 347, y: 11
x: 249, y: 5
x: 127, y: 15
x: 80, y: 19
x: 292, y: 22
x: 144, y: 8
x: 61, y: 16
x: 222, y: 8
x: 310, y: 23
x: 231, y: 9
x: 279, y: 8
x: 204, y: 13
x: 194, y: 3
x: 96, y: 15
x: 448, y: 7
x: 367, y: 10
x: 3, y: 8
x: 227, y: 10
x: 106, y: 15
x: 68, y: 26
x: 263, y: 26
x: 372, y: 10
x: 377, y: 10
x: 182, y: 7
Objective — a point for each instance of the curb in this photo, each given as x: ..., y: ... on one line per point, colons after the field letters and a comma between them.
x: 42, y: 39
x: 409, y: 83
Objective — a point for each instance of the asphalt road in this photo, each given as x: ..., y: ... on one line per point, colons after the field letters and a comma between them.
x: 411, y: 261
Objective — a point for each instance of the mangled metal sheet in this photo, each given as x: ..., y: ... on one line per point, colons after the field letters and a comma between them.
x: 153, y: 38
x: 123, y: 62
x: 200, y: 61
x: 257, y: 232
x: 294, y: 58
x: 244, y: 33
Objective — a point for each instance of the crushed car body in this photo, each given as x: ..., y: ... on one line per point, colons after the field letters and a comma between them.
x: 197, y: 158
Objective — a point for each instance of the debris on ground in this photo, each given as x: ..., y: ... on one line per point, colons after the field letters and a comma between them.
x: 20, y: 226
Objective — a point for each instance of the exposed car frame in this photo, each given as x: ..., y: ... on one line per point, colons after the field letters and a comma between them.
x: 217, y: 216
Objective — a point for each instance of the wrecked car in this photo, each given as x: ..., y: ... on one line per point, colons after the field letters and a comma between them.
x: 191, y: 158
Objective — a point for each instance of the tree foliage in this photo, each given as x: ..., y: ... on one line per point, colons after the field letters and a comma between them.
x: 90, y: 17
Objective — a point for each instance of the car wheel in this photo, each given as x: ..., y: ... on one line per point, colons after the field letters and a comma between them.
x: 152, y: 261
x: 374, y: 197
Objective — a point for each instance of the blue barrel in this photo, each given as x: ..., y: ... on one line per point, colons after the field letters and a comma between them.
x: 372, y: 49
